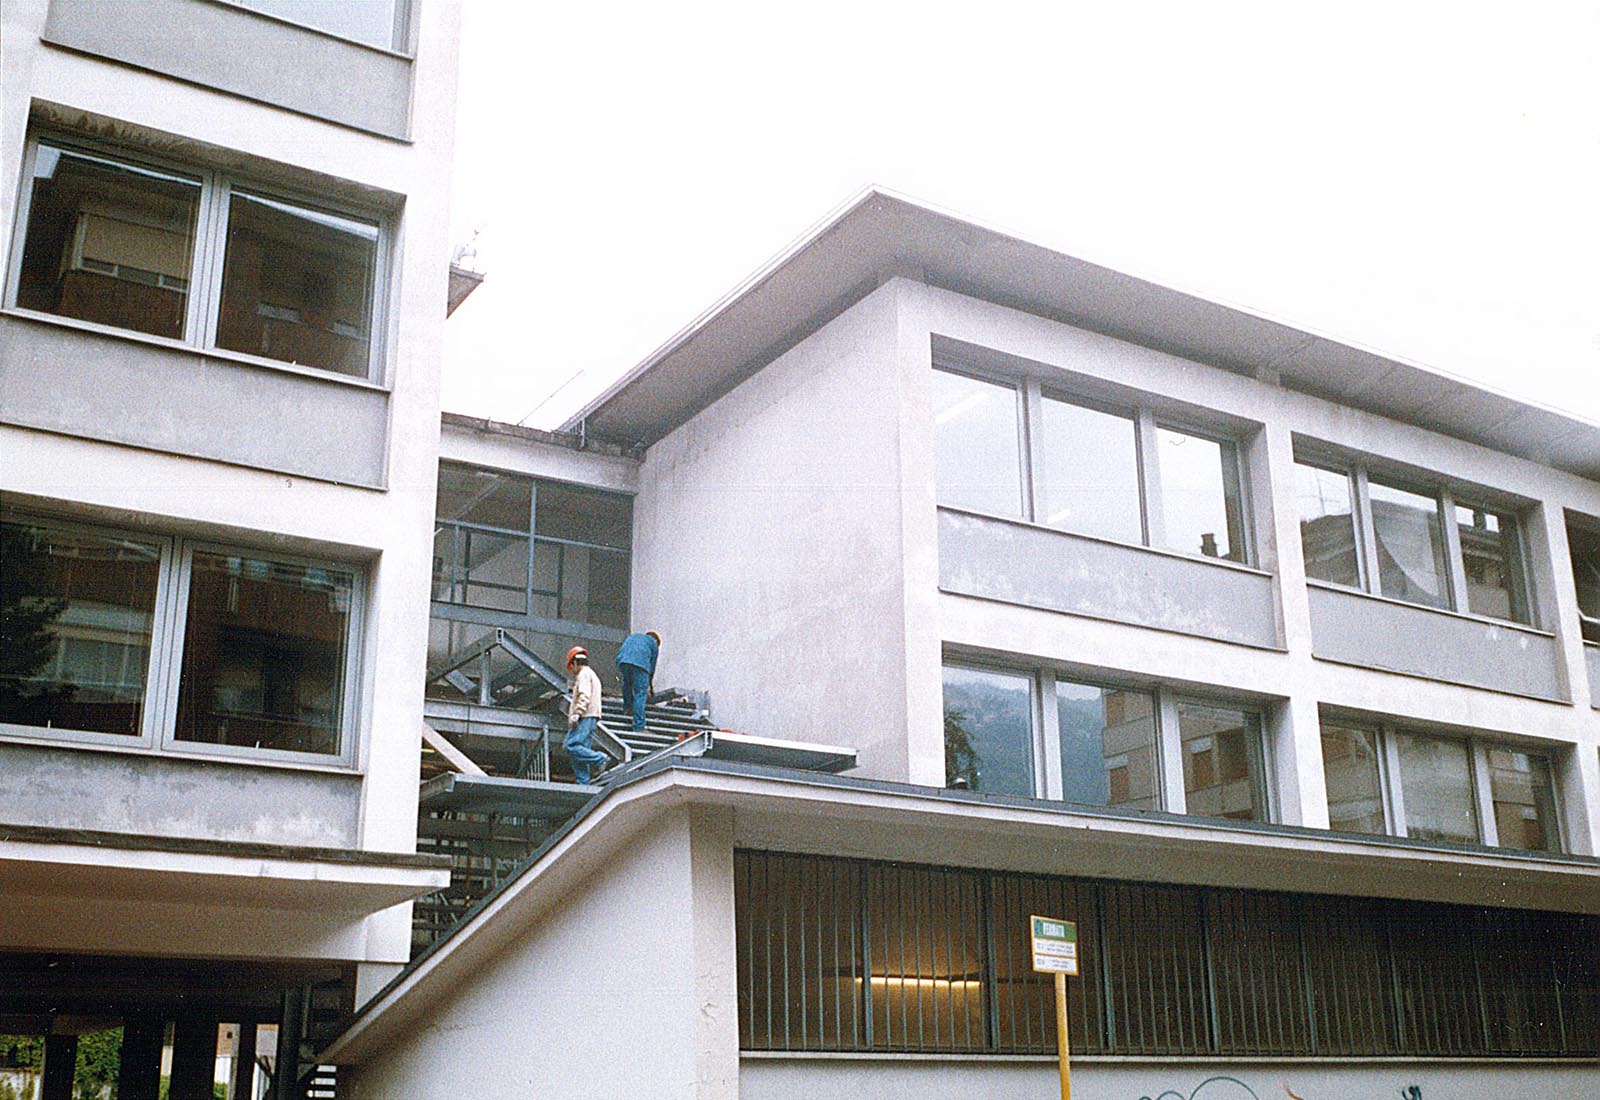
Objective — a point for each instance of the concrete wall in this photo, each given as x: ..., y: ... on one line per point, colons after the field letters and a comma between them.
x: 767, y: 546
x: 625, y: 987
x: 152, y: 795
x: 822, y: 1078
x: 200, y: 445
x: 333, y: 79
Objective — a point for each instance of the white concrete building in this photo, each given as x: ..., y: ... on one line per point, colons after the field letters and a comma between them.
x: 224, y: 286
x: 1272, y: 662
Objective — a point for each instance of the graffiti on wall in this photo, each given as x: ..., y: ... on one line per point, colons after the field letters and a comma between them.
x: 1231, y: 1088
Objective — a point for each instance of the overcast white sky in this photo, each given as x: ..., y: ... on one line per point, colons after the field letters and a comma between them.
x: 1422, y: 179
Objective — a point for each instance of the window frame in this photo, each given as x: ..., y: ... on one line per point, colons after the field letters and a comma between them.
x: 158, y: 725
x: 1146, y: 420
x: 1172, y: 798
x: 1446, y: 500
x: 203, y: 299
x: 1391, y: 782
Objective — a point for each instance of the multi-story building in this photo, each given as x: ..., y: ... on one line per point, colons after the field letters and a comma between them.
x: 224, y: 286
x: 1266, y: 659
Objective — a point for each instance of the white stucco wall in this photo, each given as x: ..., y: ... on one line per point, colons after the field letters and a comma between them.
x: 762, y: 1078
x: 768, y: 546
x: 625, y: 986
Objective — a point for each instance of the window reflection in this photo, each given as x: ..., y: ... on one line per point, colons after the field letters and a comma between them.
x: 1584, y: 544
x: 1091, y: 472
x: 1108, y: 746
x: 1200, y: 503
x: 1491, y: 560
x: 264, y: 654
x: 1221, y: 762
x: 109, y: 242
x: 988, y: 735
x: 76, y: 615
x: 1523, y: 797
x: 978, y: 463
x: 297, y: 285
x: 1355, y: 792
x: 1411, y: 562
x: 1437, y: 790
x: 1327, y: 525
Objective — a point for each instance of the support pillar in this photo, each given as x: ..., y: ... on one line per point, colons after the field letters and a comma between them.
x: 60, y: 1062
x: 194, y: 1058
x: 244, y: 1063
x: 286, y: 1075
x: 139, y: 1073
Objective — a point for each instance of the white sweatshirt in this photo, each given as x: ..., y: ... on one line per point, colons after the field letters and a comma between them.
x: 585, y: 696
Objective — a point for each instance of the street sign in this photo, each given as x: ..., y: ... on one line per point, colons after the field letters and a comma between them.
x: 1055, y: 946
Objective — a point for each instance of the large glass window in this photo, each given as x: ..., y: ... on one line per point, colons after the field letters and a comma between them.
x: 1221, y: 762
x: 977, y: 461
x: 1201, y: 506
x: 1351, y: 765
x: 77, y: 615
x: 297, y: 284
x: 261, y: 645
x: 1327, y: 525
x: 1108, y: 746
x: 988, y: 731
x: 1584, y: 543
x: 1092, y: 471
x: 264, y: 654
x: 1439, y: 783
x: 1408, y: 556
x: 109, y: 241
x: 113, y: 239
x: 379, y: 23
x: 1410, y: 545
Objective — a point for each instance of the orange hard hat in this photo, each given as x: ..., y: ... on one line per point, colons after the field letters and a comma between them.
x: 574, y: 653
x: 654, y: 635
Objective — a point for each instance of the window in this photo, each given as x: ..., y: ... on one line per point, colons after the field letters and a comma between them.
x: 839, y: 954
x: 199, y: 257
x: 1410, y: 543
x: 1384, y: 779
x: 1105, y: 742
x: 380, y: 23
x: 1119, y: 474
x: 1584, y: 543
x: 258, y: 648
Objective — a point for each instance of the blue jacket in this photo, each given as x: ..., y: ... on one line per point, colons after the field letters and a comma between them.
x: 640, y: 651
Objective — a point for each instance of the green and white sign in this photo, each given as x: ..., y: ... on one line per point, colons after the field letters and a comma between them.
x: 1055, y: 946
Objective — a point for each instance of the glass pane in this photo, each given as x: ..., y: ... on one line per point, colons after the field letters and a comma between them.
x: 1108, y: 746
x: 297, y: 285
x: 584, y: 515
x: 1493, y: 564
x: 109, y: 242
x: 978, y: 463
x: 1585, y: 546
x: 1327, y: 526
x: 1355, y: 794
x: 1091, y: 473
x: 375, y: 22
x: 1436, y: 786
x: 1411, y: 563
x: 1200, y: 495
x: 76, y: 611
x: 988, y: 733
x: 1221, y: 762
x: 495, y: 570
x: 264, y: 654
x: 594, y: 586
x: 485, y: 497
x: 1524, y: 801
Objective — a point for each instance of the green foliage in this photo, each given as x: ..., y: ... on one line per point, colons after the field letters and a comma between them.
x: 960, y: 758
x: 99, y: 1058
x: 27, y: 644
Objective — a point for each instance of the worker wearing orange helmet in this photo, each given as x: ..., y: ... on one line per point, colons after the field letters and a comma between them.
x: 636, y: 664
x: 583, y: 715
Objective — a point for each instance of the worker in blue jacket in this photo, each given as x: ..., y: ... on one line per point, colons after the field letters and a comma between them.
x: 636, y: 664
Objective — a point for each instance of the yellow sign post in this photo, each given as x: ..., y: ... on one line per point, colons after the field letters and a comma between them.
x: 1055, y: 951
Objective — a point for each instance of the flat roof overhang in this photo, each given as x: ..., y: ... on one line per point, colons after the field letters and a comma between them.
x: 837, y: 816
x: 69, y: 870
x: 878, y: 235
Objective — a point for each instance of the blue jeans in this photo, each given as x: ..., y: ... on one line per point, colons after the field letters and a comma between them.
x: 635, y: 691
x: 579, y: 750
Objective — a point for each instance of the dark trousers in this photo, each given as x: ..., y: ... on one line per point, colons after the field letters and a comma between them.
x: 635, y: 691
